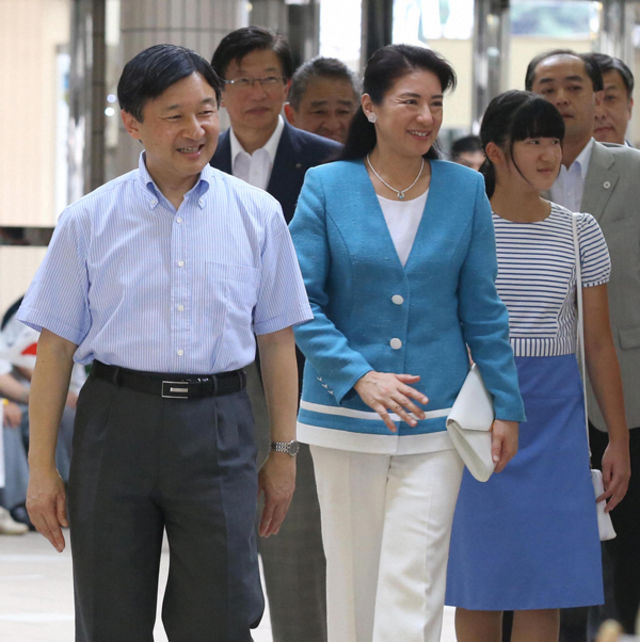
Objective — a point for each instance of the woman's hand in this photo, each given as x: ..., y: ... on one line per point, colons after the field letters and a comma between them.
x: 387, y: 392
x: 616, y: 471
x: 504, y: 442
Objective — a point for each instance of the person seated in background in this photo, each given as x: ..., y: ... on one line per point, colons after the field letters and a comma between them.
x: 468, y: 151
x: 11, y: 456
x: 323, y: 97
x: 613, y: 110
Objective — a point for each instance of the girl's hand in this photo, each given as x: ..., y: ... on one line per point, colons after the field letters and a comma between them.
x: 616, y: 471
x: 388, y: 392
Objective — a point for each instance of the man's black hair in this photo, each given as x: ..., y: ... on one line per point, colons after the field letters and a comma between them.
x: 237, y: 44
x: 609, y: 63
x: 591, y: 68
x: 148, y: 74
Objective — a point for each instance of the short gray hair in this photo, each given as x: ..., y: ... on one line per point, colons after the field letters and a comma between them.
x: 319, y: 67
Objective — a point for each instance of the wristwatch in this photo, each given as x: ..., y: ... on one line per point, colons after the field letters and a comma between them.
x: 289, y: 447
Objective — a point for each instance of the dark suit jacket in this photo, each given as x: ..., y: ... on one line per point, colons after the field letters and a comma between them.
x: 297, y: 151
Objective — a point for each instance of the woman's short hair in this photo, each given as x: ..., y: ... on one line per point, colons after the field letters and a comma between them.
x: 383, y: 69
x: 513, y: 116
x: 148, y: 74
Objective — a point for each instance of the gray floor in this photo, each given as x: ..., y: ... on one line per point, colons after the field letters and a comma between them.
x: 36, y: 594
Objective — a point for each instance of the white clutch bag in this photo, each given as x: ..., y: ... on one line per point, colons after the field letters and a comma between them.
x: 469, y: 425
x: 605, y: 525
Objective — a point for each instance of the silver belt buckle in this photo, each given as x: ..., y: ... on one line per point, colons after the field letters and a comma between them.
x: 175, y: 390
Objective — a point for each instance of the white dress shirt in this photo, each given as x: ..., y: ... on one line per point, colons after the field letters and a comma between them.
x: 255, y: 168
x: 569, y: 186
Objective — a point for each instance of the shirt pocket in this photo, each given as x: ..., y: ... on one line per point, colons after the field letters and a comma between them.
x: 232, y: 292
x: 629, y: 338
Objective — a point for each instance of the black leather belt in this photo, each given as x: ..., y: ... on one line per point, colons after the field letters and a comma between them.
x: 172, y: 386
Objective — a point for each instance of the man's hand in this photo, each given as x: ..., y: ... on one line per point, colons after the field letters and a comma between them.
x: 46, y: 501
x: 277, y: 480
x: 46, y: 505
x: 616, y: 471
x: 504, y: 442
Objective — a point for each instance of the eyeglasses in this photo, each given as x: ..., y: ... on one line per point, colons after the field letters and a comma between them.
x: 269, y: 82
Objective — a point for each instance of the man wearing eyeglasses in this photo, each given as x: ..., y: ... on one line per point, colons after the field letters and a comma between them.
x: 261, y: 148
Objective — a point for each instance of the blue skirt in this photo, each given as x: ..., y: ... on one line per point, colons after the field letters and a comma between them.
x: 528, y: 538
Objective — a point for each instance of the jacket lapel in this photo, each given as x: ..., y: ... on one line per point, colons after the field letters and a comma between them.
x: 599, y: 182
x: 287, y: 174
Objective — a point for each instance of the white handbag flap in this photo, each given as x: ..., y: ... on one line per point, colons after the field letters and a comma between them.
x: 473, y: 407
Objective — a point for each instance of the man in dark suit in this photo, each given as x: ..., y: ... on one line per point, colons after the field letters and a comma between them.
x: 602, y: 179
x: 261, y: 148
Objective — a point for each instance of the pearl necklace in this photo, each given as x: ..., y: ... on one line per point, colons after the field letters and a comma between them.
x: 399, y: 192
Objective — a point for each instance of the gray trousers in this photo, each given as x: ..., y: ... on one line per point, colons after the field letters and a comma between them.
x: 293, y: 560
x: 142, y: 464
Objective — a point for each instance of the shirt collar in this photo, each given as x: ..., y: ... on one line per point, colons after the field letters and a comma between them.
x: 198, y: 190
x: 583, y: 158
x: 270, y: 146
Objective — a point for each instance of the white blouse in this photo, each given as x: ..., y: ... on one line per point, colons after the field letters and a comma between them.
x: 403, y: 219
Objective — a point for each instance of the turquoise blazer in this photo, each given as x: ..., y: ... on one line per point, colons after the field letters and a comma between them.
x: 371, y: 313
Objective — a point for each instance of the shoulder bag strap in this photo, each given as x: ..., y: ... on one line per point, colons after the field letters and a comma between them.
x: 580, y: 320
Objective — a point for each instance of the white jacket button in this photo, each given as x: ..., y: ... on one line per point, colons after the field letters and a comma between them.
x: 395, y: 343
x: 398, y: 299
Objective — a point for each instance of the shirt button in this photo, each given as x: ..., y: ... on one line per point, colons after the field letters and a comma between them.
x: 180, y: 352
x: 180, y: 263
x: 398, y: 299
x: 180, y: 307
x: 606, y: 184
x: 395, y: 343
x: 178, y: 219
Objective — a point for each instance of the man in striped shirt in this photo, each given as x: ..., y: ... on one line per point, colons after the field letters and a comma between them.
x: 160, y: 278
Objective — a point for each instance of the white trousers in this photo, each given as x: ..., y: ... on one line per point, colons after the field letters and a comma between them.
x: 386, y: 524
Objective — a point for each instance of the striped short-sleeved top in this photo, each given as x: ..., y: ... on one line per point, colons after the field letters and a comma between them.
x: 537, y: 278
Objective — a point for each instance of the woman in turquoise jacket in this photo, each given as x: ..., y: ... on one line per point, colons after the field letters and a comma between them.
x: 398, y: 256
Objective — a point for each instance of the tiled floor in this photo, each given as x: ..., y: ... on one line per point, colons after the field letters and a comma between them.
x: 36, y: 594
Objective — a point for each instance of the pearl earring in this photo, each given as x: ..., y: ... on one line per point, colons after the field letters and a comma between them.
x: 371, y: 117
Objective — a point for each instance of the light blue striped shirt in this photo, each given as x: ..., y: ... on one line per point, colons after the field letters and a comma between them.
x: 537, y: 279
x: 136, y: 283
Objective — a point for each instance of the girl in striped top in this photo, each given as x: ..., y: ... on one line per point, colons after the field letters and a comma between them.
x: 527, y: 540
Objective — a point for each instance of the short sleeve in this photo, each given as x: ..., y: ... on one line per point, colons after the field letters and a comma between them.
x: 594, y: 254
x: 282, y: 298
x: 57, y: 298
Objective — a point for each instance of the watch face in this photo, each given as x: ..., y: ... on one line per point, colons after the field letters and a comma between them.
x: 293, y: 447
